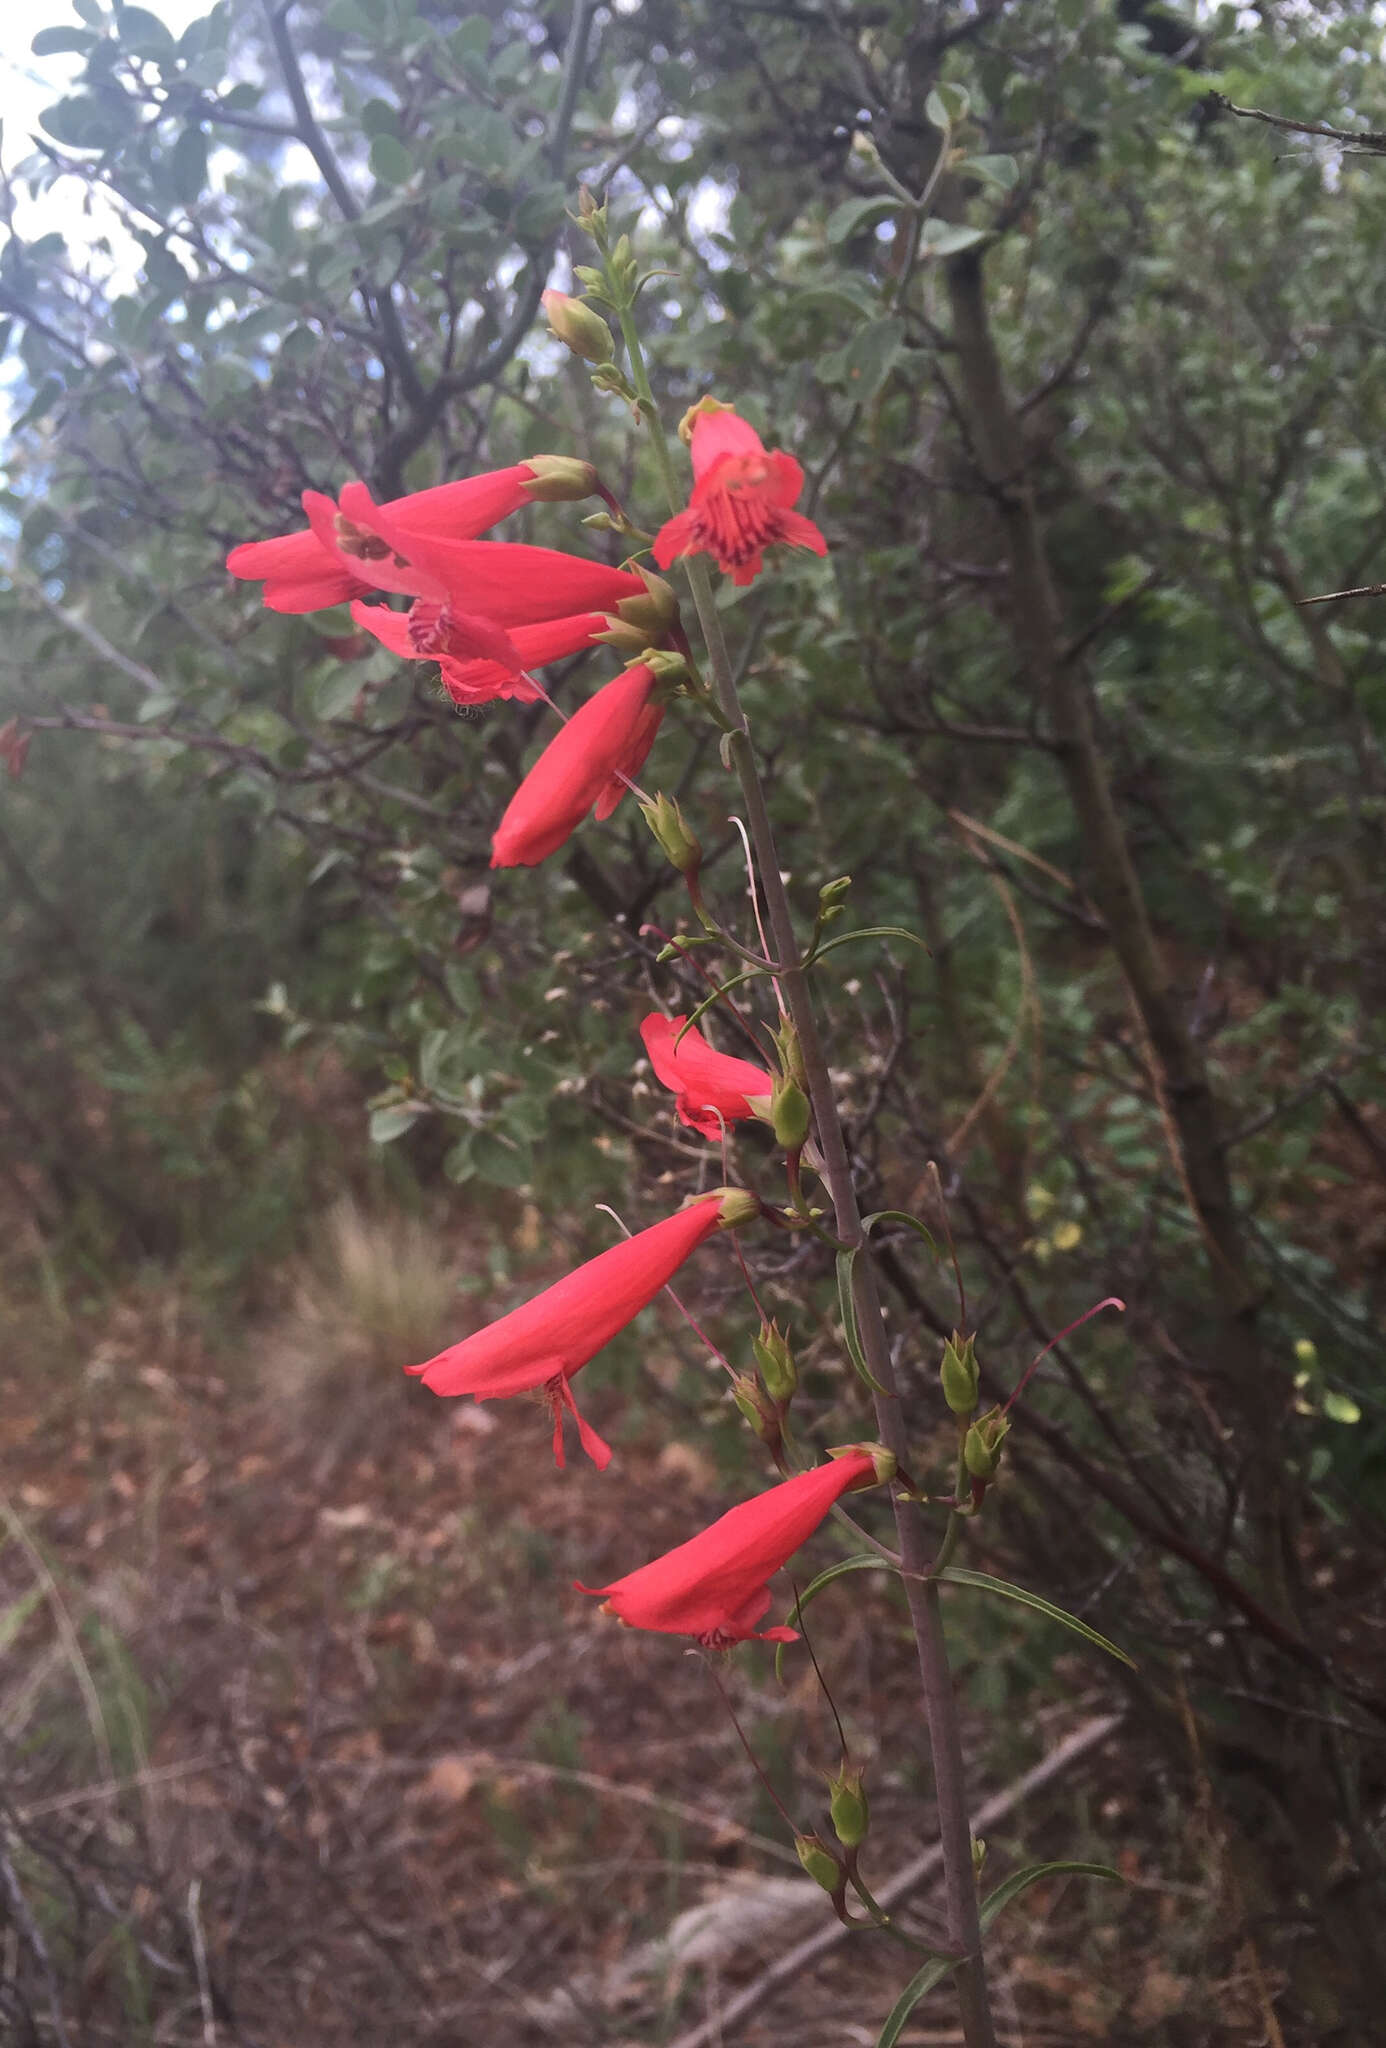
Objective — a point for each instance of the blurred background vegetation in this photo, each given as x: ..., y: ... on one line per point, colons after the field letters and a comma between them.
x: 290, y: 1087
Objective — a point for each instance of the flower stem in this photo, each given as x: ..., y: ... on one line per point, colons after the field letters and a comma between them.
x: 945, y: 1739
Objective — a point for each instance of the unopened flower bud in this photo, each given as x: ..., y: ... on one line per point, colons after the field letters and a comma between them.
x: 590, y: 215
x: 776, y: 1362
x: 791, y: 1054
x: 820, y: 1863
x: 737, y: 1207
x: 982, y: 1444
x: 560, y: 479
x: 689, y: 420
x: 958, y: 1372
x: 751, y: 1398
x: 789, y: 1114
x: 849, y: 1807
x: 883, y: 1461
x: 679, y: 845
x: 979, y: 1856
x: 580, y: 328
x: 831, y: 894
x: 623, y: 264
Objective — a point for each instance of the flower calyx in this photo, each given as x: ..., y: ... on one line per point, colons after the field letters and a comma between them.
x: 560, y: 479
x: 736, y: 1206
x: 884, y: 1463
x: 705, y: 404
x: 958, y: 1374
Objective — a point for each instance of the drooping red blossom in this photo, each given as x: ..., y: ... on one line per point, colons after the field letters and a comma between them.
x: 456, y: 641
x: 544, y: 1342
x: 711, y: 1088
x: 339, y: 557
x: 716, y: 1586
x: 475, y: 679
x: 742, y: 500
x: 582, y: 767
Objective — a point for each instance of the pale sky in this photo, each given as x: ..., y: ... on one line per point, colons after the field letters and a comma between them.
x: 28, y: 84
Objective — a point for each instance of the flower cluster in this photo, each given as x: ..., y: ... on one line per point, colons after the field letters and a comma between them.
x: 422, y: 581
x: 490, y: 612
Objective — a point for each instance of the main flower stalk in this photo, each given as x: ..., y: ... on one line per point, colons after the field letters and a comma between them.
x: 921, y: 1592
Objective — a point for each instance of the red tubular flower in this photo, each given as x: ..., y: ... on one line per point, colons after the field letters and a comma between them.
x: 711, y: 1088
x: 508, y: 582
x: 339, y: 557
x: 715, y: 1586
x: 543, y: 1343
x: 582, y: 766
x: 742, y: 500
x: 475, y: 679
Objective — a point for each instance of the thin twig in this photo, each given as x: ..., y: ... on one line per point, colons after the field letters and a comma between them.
x: 790, y: 1967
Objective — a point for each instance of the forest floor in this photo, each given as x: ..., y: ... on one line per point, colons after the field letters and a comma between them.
x: 310, y: 1742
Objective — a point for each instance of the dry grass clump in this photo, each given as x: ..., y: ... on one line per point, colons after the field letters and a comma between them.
x: 375, y: 1293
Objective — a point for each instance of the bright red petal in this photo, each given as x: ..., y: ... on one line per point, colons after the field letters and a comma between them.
x: 717, y: 434
x: 575, y: 770
x: 677, y: 536
x: 801, y: 533
x: 560, y: 1329
x: 513, y: 584
x: 715, y: 1586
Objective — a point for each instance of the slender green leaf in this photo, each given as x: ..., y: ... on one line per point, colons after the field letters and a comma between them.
x: 934, y: 1971
x: 747, y: 974
x: 1021, y: 1880
x: 918, y: 1987
x: 868, y: 1224
x: 959, y: 1575
x: 846, y: 1262
x: 869, y: 931
x: 865, y: 1561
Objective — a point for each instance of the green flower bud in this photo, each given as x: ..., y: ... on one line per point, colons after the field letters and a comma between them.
x: 789, y: 1114
x: 591, y: 216
x: 959, y: 1375
x: 982, y: 1444
x: 679, y: 845
x: 820, y: 1863
x: 776, y: 1362
x: 791, y: 1054
x: 578, y: 327
x: 849, y: 1807
x: 751, y: 1398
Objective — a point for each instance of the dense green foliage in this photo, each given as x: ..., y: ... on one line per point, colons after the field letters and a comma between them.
x: 280, y: 831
